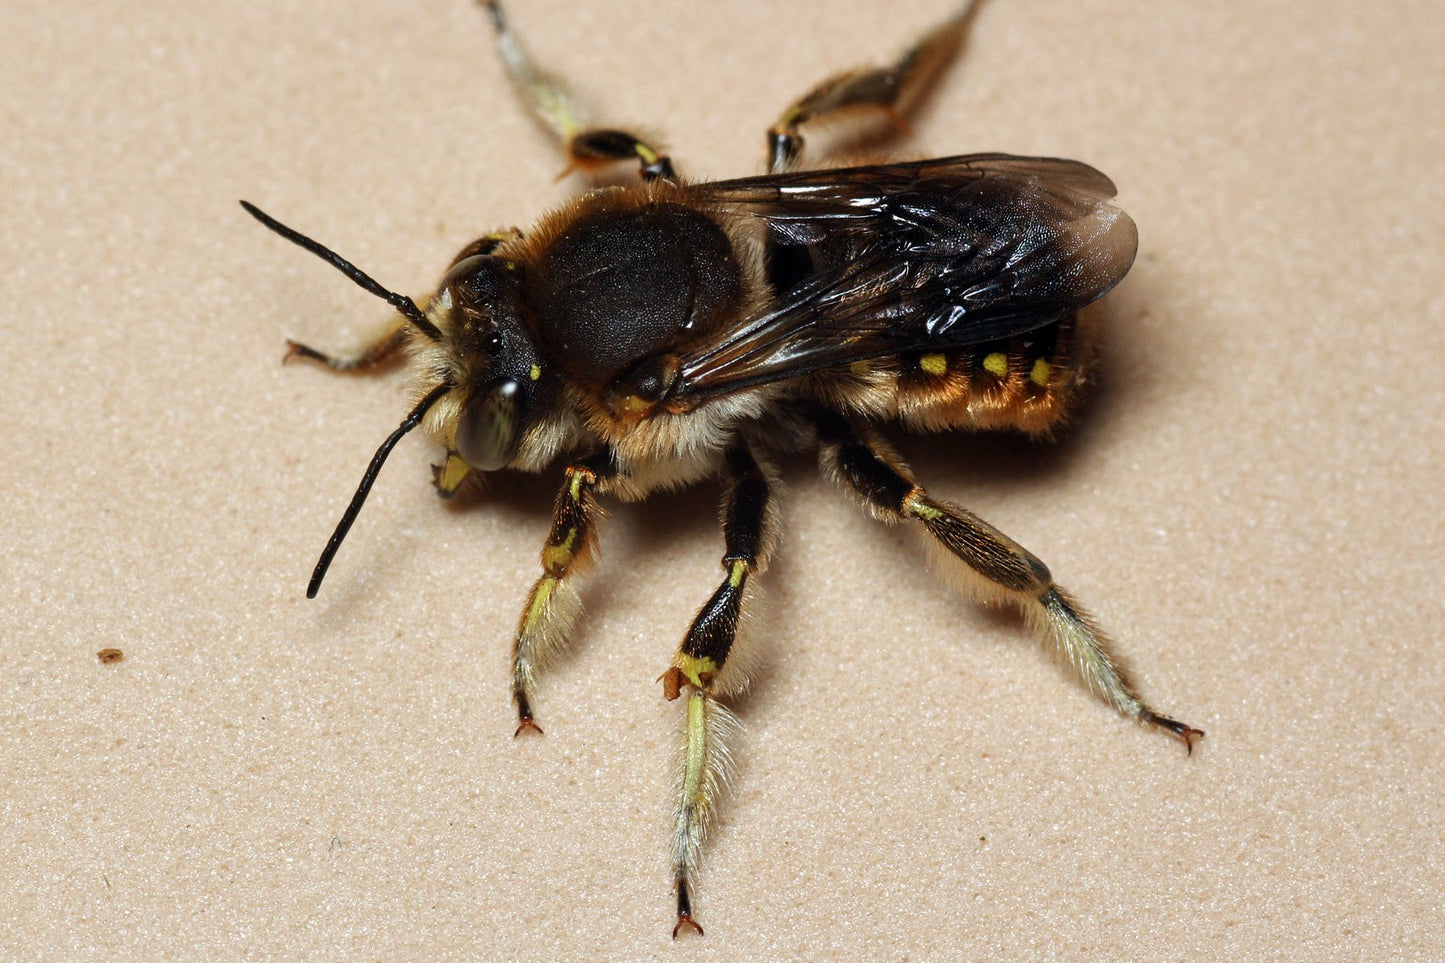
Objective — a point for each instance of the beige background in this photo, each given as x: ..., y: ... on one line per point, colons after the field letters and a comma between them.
x: 1250, y: 503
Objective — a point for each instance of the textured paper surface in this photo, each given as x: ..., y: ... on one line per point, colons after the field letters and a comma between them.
x: 1249, y: 502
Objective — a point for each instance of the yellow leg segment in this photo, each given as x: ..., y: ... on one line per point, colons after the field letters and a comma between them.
x: 706, y: 769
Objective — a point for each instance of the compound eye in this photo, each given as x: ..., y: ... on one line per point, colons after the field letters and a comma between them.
x: 461, y: 271
x: 490, y: 427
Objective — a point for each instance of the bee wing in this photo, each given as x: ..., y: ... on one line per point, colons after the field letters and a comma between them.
x: 913, y: 257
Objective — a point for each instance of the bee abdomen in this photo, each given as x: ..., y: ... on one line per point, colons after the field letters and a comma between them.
x: 1026, y: 382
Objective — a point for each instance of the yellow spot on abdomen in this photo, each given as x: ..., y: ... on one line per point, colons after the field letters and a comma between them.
x: 996, y: 364
x: 934, y: 364
x: 1039, y: 373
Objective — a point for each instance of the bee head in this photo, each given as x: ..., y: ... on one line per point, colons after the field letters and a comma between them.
x: 480, y: 309
x: 475, y: 320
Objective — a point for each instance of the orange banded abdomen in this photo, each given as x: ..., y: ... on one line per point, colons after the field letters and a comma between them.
x: 1026, y: 382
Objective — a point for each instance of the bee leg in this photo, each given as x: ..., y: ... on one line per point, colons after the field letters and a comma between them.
x: 589, y: 149
x: 703, y: 668
x: 997, y: 568
x: 448, y: 477
x: 869, y: 93
x: 553, y: 605
x: 385, y: 345
x: 374, y: 353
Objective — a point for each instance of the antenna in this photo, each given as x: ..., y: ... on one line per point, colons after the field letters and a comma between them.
x: 401, y: 302
x: 367, y: 480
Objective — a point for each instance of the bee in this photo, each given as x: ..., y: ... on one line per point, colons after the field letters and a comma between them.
x: 661, y: 333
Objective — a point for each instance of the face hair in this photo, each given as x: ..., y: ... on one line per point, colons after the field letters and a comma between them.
x: 401, y: 302
x: 362, y: 490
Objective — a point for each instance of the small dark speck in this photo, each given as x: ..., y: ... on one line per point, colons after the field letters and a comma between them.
x: 110, y: 656
x: 336, y: 843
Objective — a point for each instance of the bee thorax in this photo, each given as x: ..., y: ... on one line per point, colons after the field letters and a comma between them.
x: 631, y: 278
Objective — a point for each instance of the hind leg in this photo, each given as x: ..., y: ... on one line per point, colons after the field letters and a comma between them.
x: 998, y: 567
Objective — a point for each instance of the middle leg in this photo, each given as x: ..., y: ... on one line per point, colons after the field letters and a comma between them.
x: 866, y: 93
x: 588, y: 148
x: 708, y: 665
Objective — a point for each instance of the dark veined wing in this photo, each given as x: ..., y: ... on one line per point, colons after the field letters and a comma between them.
x: 912, y: 257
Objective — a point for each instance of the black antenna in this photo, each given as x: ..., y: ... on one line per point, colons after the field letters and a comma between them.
x: 401, y: 302
x: 367, y: 480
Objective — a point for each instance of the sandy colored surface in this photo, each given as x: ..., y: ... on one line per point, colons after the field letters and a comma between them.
x: 1250, y: 503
